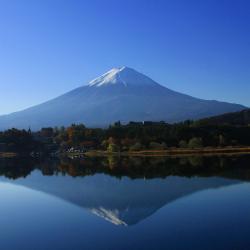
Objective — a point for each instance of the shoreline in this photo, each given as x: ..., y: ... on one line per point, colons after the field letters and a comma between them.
x: 170, y: 152
x: 7, y: 154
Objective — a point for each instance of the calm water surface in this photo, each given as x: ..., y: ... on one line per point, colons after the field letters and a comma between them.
x: 191, y: 203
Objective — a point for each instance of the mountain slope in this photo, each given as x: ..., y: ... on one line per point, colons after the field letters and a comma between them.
x: 120, y: 94
x: 241, y: 118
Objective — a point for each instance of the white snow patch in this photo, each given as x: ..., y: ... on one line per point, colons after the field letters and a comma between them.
x: 123, y: 76
x: 111, y: 77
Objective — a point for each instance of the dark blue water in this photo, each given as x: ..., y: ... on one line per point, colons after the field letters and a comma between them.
x: 101, y: 211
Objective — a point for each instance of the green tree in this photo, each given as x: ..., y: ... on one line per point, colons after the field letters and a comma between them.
x: 136, y: 147
x: 195, y: 142
x: 104, y: 144
x: 183, y: 144
x: 112, y: 148
x: 222, y: 140
x: 157, y: 146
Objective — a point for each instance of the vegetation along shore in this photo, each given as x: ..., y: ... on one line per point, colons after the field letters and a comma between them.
x: 218, y: 135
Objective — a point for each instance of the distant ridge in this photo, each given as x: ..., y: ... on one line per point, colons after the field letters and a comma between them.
x: 120, y: 94
x: 241, y: 118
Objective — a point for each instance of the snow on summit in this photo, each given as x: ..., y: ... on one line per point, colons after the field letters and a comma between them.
x: 124, y: 75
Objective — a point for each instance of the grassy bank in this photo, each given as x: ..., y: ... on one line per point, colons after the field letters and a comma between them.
x: 173, y: 152
x: 7, y: 154
x: 155, y: 153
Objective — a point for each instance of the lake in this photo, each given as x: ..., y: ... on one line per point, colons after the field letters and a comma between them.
x: 126, y: 203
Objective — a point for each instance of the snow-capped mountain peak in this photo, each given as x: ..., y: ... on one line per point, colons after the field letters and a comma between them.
x: 124, y: 75
x: 121, y: 94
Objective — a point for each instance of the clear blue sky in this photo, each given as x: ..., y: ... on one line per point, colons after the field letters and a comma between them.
x: 48, y: 47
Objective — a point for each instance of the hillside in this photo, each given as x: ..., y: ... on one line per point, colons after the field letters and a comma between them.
x: 241, y: 118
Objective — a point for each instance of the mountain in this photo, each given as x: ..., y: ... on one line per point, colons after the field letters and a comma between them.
x: 120, y: 94
x: 241, y: 118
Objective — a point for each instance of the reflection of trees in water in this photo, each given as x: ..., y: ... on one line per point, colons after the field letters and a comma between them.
x: 133, y: 167
x: 14, y: 168
x: 196, y: 161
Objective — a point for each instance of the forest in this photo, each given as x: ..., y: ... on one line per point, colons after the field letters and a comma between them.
x: 134, y: 136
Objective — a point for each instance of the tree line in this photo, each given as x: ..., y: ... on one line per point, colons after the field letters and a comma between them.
x: 137, y: 136
x: 134, y: 136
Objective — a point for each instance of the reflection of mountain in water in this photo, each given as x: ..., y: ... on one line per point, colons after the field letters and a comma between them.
x: 120, y: 201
